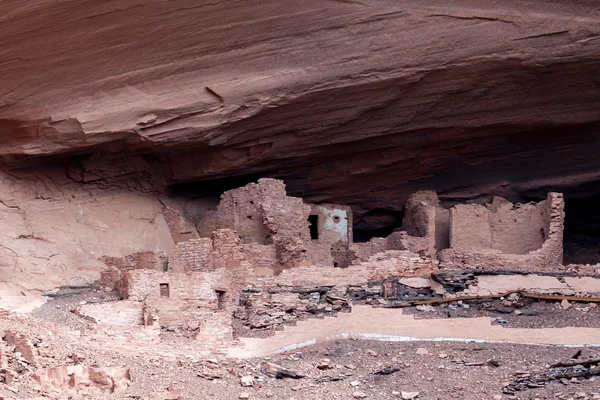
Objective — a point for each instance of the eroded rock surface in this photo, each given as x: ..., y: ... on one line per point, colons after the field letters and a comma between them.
x: 356, y: 103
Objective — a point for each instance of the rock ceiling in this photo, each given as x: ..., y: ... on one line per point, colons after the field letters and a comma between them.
x: 358, y: 102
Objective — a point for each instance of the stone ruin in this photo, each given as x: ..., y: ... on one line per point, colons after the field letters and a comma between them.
x: 263, y: 259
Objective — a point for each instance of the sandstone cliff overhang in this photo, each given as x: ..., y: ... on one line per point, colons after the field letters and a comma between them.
x: 396, y: 96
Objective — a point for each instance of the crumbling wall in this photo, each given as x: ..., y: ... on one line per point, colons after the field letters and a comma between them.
x: 334, y: 223
x: 399, y: 240
x: 115, y: 266
x: 420, y: 220
x: 334, y: 227
x: 269, y: 302
x: 240, y: 209
x: 285, y: 216
x: 260, y: 309
x: 180, y: 228
x: 498, y: 226
x: 547, y: 257
x: 177, y: 298
x: 259, y: 212
x: 362, y: 251
x: 262, y: 213
x: 223, y: 250
x: 376, y: 267
x: 518, y: 229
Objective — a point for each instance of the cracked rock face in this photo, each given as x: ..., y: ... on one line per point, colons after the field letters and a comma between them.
x: 351, y: 102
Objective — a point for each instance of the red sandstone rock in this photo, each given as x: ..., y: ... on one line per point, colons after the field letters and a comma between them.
x: 356, y: 103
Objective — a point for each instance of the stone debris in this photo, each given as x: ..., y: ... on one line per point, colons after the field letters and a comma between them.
x: 409, y: 395
x: 564, y: 372
x: 277, y: 371
x: 387, y: 371
x: 425, y: 308
x: 169, y: 394
x: 324, y: 364
x: 328, y: 378
x: 65, y: 379
x: 422, y: 351
x: 247, y: 380
x: 359, y: 395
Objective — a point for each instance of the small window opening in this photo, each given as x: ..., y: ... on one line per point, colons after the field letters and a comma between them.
x: 249, y: 216
x: 220, y: 299
x: 164, y: 290
x: 251, y: 202
x: 313, y: 220
x: 336, y: 219
x: 335, y: 265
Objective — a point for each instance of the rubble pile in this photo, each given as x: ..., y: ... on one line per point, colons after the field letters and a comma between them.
x: 270, y: 309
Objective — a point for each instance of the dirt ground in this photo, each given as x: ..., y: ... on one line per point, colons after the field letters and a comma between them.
x: 436, y: 370
x: 441, y: 373
x: 521, y: 313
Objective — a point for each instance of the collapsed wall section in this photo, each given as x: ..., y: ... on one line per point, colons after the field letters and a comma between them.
x: 266, y: 303
x: 418, y: 233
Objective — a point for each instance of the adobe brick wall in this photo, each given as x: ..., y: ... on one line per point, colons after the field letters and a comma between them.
x: 263, y: 258
x: 192, y: 255
x: 215, y: 331
x: 548, y: 257
x: 362, y: 251
x: 240, y: 210
x: 499, y: 226
x: 262, y: 214
x: 259, y: 212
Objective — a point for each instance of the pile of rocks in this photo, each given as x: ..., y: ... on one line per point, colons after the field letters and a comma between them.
x: 267, y: 310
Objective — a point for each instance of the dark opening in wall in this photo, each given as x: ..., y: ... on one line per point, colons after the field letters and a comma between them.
x: 582, y: 230
x: 164, y: 290
x: 220, y: 299
x: 376, y: 223
x: 313, y: 220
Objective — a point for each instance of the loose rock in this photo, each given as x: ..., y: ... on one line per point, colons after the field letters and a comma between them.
x: 409, y: 395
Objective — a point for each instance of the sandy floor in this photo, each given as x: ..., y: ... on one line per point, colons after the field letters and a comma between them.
x: 435, y: 370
